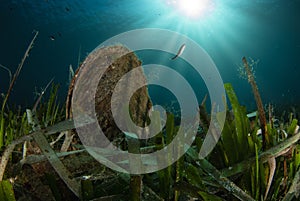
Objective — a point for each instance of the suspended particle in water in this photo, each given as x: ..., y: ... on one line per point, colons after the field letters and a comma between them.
x: 252, y: 65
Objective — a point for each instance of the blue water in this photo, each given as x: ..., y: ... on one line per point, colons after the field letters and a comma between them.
x: 265, y: 30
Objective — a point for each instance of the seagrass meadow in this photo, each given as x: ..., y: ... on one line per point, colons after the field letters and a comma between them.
x: 256, y: 158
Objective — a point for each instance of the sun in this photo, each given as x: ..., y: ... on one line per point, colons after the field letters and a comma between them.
x: 194, y: 8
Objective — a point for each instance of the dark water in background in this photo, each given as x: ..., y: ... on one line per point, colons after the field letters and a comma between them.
x: 268, y: 30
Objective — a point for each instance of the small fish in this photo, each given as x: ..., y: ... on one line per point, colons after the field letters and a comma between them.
x: 67, y: 9
x: 52, y: 37
x: 180, y: 51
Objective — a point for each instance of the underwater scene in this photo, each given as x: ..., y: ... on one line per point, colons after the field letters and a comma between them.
x: 149, y: 100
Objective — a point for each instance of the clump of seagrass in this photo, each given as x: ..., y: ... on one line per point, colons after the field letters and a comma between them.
x: 260, y: 108
x: 3, y: 121
x: 11, y: 84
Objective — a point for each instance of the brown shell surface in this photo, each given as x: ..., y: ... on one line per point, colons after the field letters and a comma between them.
x: 117, y: 60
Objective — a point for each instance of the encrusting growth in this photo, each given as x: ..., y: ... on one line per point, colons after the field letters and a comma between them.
x: 260, y: 108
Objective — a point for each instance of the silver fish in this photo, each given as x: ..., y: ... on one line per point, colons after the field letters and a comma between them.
x: 52, y: 37
x: 180, y: 51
